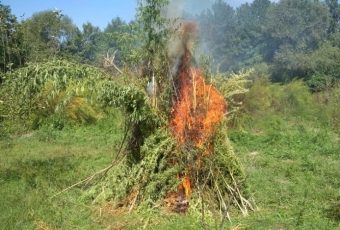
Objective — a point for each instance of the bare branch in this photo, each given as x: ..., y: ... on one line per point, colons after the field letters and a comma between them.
x: 109, y: 61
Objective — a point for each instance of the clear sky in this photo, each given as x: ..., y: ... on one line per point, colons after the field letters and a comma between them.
x: 98, y: 12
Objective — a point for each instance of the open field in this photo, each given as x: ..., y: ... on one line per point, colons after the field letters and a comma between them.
x: 222, y: 119
x: 293, y: 171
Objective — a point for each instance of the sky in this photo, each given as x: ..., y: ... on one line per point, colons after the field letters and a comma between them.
x: 98, y: 12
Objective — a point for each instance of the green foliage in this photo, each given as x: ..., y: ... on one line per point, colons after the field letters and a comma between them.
x: 329, y: 100
x: 290, y: 45
x: 128, y: 39
x: 11, y: 44
x: 79, y: 93
x: 295, y: 135
x: 56, y: 87
x: 248, y: 46
x: 217, y: 26
x: 247, y: 37
x: 268, y: 104
x: 45, y: 33
x: 334, y: 11
x: 140, y: 118
x: 112, y: 42
x: 291, y: 160
x: 293, y: 99
x: 319, y: 82
x: 149, y: 179
x: 287, y: 35
x: 84, y: 46
x: 310, y: 20
x: 288, y: 139
x: 323, y: 66
x: 233, y: 88
x: 155, y: 34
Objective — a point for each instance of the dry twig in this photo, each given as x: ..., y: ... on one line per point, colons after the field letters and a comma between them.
x: 109, y: 61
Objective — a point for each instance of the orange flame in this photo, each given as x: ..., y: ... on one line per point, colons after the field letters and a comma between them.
x: 197, y: 107
x: 187, y: 186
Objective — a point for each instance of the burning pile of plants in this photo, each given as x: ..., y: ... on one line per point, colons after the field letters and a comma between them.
x: 179, y: 157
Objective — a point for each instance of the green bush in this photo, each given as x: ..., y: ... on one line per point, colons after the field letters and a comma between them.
x: 329, y: 100
x: 267, y: 101
x: 33, y: 93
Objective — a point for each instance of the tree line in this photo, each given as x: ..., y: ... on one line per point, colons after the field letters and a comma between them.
x: 284, y: 40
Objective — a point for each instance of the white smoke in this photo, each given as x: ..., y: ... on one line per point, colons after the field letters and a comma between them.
x: 177, y: 8
x: 175, y: 12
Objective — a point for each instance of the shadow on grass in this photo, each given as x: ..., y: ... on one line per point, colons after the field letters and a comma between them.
x: 334, y: 211
x: 26, y: 188
x: 49, y: 170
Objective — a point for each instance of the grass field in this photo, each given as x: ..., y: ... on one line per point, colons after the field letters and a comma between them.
x: 293, y: 169
x: 294, y: 177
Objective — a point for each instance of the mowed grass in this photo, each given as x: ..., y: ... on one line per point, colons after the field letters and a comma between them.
x: 293, y: 168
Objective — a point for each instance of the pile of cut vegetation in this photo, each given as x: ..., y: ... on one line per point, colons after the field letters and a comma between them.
x: 175, y: 153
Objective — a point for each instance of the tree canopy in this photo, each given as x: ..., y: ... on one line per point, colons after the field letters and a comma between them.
x: 280, y: 39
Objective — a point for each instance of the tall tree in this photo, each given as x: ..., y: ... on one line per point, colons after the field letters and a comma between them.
x: 11, y: 40
x: 154, y: 34
x: 323, y: 67
x: 334, y: 28
x: 90, y: 41
x: 249, y: 43
x: 84, y: 46
x: 293, y: 28
x: 73, y: 47
x: 334, y: 10
x: 112, y: 35
x: 301, y: 24
x: 218, y: 27
x: 45, y: 33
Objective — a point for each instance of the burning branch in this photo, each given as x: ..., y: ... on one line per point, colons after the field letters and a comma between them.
x: 194, y: 84
x: 197, y: 115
